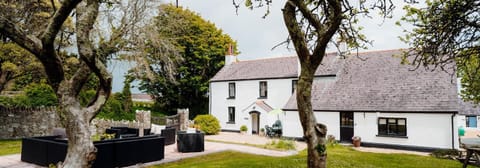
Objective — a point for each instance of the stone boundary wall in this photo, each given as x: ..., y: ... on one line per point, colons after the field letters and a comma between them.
x: 19, y: 122
x: 98, y: 126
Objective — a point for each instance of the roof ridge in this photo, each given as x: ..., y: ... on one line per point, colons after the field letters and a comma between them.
x: 327, y: 53
x: 268, y: 58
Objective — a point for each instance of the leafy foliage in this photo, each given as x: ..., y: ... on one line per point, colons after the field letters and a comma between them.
x: 40, y: 94
x: 208, y: 124
x: 446, y: 32
x: 243, y: 128
x: 201, y: 46
x: 114, y: 109
x: 34, y: 95
x: 17, y: 64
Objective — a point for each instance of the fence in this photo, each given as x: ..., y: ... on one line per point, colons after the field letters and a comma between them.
x: 169, y: 121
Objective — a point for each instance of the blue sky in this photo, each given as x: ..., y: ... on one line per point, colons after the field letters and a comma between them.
x: 256, y: 36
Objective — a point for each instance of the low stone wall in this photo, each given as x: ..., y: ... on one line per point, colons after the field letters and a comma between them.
x: 27, y: 122
x: 98, y: 126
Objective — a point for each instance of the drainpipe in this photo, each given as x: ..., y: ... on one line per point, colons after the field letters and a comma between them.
x: 453, y: 132
x: 210, y: 98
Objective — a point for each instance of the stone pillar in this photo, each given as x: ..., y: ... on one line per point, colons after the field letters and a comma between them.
x: 183, y: 119
x: 143, y: 119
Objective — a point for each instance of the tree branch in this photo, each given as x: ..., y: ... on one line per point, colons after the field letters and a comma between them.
x: 12, y: 31
x: 48, y: 37
x: 333, y: 23
x: 295, y: 32
x: 87, y: 13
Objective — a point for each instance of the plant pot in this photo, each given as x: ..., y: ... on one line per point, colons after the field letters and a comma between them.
x: 243, y: 132
x: 356, y: 143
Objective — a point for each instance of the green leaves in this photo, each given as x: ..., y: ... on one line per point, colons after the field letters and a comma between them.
x: 201, y: 46
x: 446, y: 32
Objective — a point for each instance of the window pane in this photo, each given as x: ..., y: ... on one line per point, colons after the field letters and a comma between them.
x: 402, y: 130
x: 231, y: 89
x: 391, y: 120
x: 392, y: 129
x: 382, y: 121
x: 382, y: 129
x: 401, y: 121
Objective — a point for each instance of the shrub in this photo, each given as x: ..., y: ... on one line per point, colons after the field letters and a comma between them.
x: 208, y: 124
x: 39, y: 94
x: 282, y: 144
x: 243, y: 128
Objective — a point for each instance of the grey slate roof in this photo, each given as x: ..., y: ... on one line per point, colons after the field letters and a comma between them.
x: 378, y: 82
x: 468, y: 108
x: 281, y: 67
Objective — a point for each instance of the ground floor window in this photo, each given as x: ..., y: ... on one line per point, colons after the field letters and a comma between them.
x: 392, y: 126
x: 471, y: 121
x: 231, y: 114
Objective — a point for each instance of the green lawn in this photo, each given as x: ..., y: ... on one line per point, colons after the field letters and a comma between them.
x: 338, y: 157
x: 8, y: 147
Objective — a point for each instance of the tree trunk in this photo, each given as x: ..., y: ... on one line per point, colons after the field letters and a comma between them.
x: 314, y: 133
x: 81, y: 151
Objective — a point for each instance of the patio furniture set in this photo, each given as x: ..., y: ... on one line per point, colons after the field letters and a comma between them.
x: 127, y: 148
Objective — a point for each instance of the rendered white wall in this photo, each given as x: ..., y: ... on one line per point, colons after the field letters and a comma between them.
x: 426, y: 130
x: 293, y: 128
x: 247, y: 92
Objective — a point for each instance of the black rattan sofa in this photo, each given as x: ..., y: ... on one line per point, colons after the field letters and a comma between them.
x: 110, y: 153
x: 169, y: 134
x: 190, y: 142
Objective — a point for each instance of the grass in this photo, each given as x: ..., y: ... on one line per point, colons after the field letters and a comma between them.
x: 8, y: 147
x: 338, y: 157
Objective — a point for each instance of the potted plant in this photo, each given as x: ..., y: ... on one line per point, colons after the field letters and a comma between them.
x: 356, y: 141
x: 243, y: 129
x: 262, y: 131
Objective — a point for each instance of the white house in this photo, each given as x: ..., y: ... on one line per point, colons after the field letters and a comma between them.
x: 370, y: 94
x: 469, y: 115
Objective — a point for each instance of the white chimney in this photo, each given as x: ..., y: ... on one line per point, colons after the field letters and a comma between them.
x: 230, y: 57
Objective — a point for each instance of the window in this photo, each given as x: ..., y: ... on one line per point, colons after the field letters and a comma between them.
x: 263, y: 89
x: 471, y: 121
x: 294, y: 85
x: 392, y: 126
x: 231, y: 90
x: 231, y: 115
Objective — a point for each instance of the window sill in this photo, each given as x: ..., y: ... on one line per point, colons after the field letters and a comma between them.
x: 262, y: 98
x: 393, y: 136
x: 230, y: 98
x: 230, y: 122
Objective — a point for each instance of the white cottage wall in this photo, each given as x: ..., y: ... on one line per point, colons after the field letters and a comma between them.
x: 293, y: 128
x: 423, y: 130
x: 247, y: 93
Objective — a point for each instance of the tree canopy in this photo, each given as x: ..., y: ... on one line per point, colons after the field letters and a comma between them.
x: 447, y: 32
x: 45, y: 39
x: 201, y: 49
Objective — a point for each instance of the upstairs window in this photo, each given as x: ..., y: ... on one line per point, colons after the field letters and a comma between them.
x: 263, y: 89
x: 231, y: 90
x: 231, y: 114
x: 392, y: 126
x: 294, y: 85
